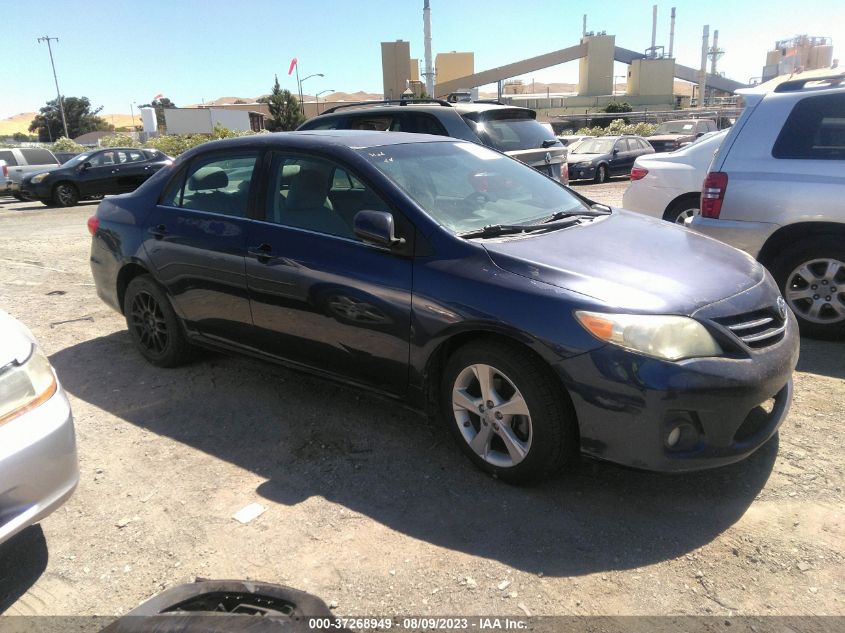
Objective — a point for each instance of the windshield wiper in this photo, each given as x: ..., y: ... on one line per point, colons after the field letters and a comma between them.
x: 495, y: 230
x: 595, y: 210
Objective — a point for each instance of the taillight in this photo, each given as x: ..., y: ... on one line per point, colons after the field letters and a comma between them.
x: 713, y: 193
x: 5, y: 171
x: 638, y: 173
x: 564, y: 174
x: 93, y: 224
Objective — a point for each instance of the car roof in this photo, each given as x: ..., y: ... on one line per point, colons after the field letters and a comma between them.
x: 460, y: 107
x: 353, y: 139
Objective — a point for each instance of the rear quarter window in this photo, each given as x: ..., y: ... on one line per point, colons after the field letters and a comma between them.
x: 9, y: 157
x: 36, y: 156
x: 814, y: 130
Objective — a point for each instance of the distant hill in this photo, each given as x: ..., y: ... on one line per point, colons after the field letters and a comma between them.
x: 20, y: 122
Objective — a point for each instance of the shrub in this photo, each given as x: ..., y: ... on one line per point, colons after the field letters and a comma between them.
x: 617, y: 127
x: 119, y: 140
x: 64, y: 144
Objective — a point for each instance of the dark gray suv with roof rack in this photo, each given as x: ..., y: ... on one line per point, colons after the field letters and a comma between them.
x: 511, y: 130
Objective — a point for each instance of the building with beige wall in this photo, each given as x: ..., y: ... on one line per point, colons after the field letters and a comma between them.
x: 395, y: 68
x: 448, y: 66
x: 595, y: 69
x: 651, y: 77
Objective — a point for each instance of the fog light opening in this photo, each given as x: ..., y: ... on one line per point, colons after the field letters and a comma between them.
x: 681, y: 436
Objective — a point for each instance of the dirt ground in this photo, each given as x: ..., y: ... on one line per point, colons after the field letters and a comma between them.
x: 373, y: 509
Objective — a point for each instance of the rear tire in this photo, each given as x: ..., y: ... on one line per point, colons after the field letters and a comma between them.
x: 155, y: 328
x: 537, y: 438
x: 601, y: 175
x: 811, y: 277
x: 65, y: 194
x: 682, y: 208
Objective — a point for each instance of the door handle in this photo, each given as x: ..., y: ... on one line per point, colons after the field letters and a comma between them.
x: 263, y: 252
x: 158, y: 231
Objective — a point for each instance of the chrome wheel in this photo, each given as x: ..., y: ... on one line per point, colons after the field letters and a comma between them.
x: 685, y: 214
x: 815, y: 291
x: 492, y: 416
x: 601, y: 174
x: 148, y: 321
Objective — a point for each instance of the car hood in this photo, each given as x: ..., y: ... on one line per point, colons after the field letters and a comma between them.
x: 584, y: 158
x: 631, y: 262
x: 15, y: 340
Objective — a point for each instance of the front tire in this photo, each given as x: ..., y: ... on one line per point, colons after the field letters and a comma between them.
x: 601, y: 175
x: 65, y: 195
x: 528, y: 433
x: 811, y: 277
x: 155, y: 328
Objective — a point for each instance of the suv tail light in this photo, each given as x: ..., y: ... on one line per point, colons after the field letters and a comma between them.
x: 564, y: 174
x: 5, y: 171
x: 713, y: 193
x: 93, y: 224
x: 637, y: 173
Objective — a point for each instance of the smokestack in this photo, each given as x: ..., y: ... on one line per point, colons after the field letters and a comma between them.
x: 702, y: 73
x: 584, y: 26
x: 653, y: 29
x: 715, y: 55
x: 429, y: 71
x: 672, y: 32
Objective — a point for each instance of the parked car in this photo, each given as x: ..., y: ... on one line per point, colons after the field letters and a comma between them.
x: 94, y: 174
x: 775, y: 190
x: 38, y: 467
x: 4, y: 175
x: 447, y: 275
x: 22, y: 162
x: 668, y: 185
x: 672, y: 135
x: 600, y: 158
x: 509, y: 129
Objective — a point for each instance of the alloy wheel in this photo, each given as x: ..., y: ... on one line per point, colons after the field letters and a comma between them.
x: 815, y: 291
x: 148, y: 321
x: 492, y: 416
x: 66, y: 195
x: 683, y: 215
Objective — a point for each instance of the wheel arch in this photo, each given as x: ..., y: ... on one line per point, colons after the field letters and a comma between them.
x: 127, y: 273
x: 691, y: 195
x: 793, y: 233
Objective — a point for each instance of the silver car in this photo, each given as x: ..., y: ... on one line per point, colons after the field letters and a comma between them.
x: 38, y: 467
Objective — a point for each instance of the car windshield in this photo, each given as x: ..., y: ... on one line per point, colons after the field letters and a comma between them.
x: 465, y: 186
x: 77, y: 160
x: 675, y: 127
x: 507, y: 135
x: 595, y: 146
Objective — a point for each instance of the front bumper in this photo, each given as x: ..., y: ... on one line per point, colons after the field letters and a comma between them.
x: 746, y: 236
x: 582, y: 173
x: 38, y: 466
x: 627, y: 404
x: 34, y: 192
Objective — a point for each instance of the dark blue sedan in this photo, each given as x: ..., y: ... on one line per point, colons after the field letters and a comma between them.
x: 443, y: 273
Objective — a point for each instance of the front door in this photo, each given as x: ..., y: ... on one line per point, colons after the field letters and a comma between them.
x: 197, y: 242
x: 320, y: 296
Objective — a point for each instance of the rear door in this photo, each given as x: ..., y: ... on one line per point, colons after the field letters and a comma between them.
x: 196, y: 240
x: 134, y: 169
x: 100, y: 176
x: 320, y: 296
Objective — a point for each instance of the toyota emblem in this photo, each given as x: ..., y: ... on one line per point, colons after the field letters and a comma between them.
x: 781, y: 307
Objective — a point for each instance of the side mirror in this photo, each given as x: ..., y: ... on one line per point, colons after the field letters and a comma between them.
x: 376, y: 227
x: 615, y: 151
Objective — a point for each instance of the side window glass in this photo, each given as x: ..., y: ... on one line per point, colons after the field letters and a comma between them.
x: 219, y: 184
x: 9, y: 157
x: 815, y: 130
x: 375, y: 122
x: 172, y: 196
x: 426, y: 124
x: 316, y: 195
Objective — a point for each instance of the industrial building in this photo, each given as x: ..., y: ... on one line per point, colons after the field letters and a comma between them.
x: 203, y: 120
x: 797, y: 54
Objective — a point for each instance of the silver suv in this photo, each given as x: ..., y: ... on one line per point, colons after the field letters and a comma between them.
x: 775, y: 189
x: 22, y: 162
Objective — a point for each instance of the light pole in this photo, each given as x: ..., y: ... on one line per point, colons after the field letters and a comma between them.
x: 322, y: 92
x: 47, y: 39
x: 302, y: 81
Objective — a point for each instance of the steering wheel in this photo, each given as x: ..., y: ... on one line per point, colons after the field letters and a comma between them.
x: 479, y: 198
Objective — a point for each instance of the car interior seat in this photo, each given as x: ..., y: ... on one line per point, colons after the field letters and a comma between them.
x: 308, y: 206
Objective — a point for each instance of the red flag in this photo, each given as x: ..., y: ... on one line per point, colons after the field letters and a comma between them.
x: 292, y: 65
x: 157, y: 97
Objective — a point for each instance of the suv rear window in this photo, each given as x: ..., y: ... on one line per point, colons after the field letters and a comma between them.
x: 36, y: 156
x: 814, y: 130
x: 506, y: 132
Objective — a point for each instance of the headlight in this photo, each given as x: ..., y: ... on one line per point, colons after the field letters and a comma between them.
x: 38, y: 178
x: 584, y: 165
x: 667, y: 337
x: 25, y: 385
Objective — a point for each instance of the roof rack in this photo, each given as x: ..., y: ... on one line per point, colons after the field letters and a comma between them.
x: 798, y: 84
x: 402, y: 102
x: 491, y: 101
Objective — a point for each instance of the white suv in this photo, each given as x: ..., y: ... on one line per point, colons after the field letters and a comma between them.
x: 776, y: 189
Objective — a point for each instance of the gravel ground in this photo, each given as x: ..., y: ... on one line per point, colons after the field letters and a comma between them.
x: 373, y: 509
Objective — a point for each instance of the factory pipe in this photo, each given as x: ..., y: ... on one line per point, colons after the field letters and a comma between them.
x: 702, y: 73
x: 429, y: 71
x: 672, y: 32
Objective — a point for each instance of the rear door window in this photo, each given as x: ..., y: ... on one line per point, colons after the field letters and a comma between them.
x: 217, y: 184
x: 815, y: 130
x: 37, y: 156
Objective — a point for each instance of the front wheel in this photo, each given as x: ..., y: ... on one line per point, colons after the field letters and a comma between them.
x: 507, y: 413
x: 811, y: 276
x: 65, y: 195
x: 154, y: 326
x: 601, y: 174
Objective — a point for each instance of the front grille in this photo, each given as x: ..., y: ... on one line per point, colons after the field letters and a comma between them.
x: 757, y: 329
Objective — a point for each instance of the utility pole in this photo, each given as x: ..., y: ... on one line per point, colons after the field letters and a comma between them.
x: 47, y: 39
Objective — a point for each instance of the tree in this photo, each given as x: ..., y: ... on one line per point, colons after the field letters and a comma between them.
x: 80, y: 119
x: 284, y: 110
x: 160, y: 105
x: 617, y: 106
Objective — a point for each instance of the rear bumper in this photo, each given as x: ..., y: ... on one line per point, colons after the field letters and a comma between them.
x: 38, y: 466
x: 647, y: 199
x: 746, y: 236
x: 627, y: 405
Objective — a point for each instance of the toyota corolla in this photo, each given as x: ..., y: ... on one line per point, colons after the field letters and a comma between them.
x: 533, y: 322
